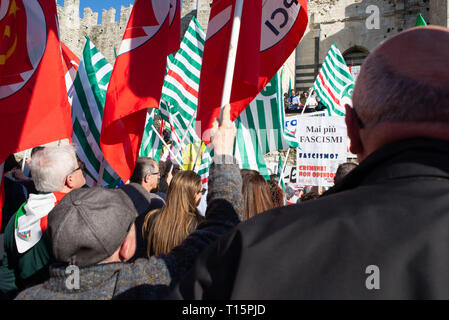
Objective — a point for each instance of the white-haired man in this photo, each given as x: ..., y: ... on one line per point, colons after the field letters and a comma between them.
x: 55, y: 172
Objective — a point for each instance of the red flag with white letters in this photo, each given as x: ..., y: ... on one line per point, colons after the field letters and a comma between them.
x: 270, y: 31
x: 34, y: 109
x: 136, y: 83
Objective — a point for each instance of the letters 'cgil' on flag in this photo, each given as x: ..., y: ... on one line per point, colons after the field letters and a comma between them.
x: 334, y: 84
x: 71, y: 64
x: 135, y: 84
x: 89, y: 96
x: 34, y: 109
x: 269, y: 32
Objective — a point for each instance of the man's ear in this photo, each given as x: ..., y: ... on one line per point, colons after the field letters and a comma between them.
x: 126, y: 251
x: 353, y: 129
x: 146, y: 179
x: 69, y: 181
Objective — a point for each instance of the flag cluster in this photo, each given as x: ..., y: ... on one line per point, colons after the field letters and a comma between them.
x: 261, y: 128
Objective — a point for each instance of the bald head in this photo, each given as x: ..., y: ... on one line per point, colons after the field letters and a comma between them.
x: 406, y: 79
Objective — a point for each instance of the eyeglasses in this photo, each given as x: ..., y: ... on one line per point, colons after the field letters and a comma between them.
x: 156, y: 173
x: 81, y: 166
x: 202, y: 191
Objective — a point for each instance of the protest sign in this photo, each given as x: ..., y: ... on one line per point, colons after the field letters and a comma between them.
x: 323, y: 142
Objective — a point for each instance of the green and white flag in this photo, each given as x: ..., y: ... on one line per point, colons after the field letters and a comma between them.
x: 420, y: 21
x: 334, y: 83
x: 261, y: 128
x: 181, y: 83
x: 152, y: 145
x: 90, y: 85
x: 179, y: 99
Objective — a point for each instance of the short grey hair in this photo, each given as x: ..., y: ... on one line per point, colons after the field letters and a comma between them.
x: 51, y: 166
x: 382, y: 94
x: 144, y: 166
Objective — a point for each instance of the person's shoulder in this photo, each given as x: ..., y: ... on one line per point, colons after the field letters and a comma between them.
x: 36, y: 292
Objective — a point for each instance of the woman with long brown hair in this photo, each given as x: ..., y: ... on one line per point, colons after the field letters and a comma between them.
x: 257, y: 196
x: 164, y: 229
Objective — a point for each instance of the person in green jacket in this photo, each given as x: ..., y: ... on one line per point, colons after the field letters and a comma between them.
x: 27, y: 251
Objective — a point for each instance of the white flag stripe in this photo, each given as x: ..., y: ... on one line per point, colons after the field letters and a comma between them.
x: 107, y: 68
x: 184, y: 61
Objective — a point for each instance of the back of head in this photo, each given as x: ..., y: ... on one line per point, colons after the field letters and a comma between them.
x: 289, y: 192
x: 178, y: 218
x: 10, y: 163
x: 311, y: 195
x: 51, y: 165
x: 277, y: 194
x: 89, y: 225
x: 398, y: 84
x: 256, y: 194
x: 343, y: 170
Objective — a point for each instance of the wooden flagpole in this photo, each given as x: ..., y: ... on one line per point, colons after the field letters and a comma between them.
x: 232, y: 54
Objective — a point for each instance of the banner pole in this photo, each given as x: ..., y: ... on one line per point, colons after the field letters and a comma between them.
x: 283, y: 169
x: 100, y: 172
x: 197, y: 154
x: 232, y: 54
x: 168, y: 148
x: 305, y: 103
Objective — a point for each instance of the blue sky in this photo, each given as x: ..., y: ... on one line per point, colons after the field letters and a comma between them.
x: 99, y: 5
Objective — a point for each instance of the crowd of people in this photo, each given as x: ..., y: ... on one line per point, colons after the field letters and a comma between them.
x: 301, y: 103
x: 147, y: 239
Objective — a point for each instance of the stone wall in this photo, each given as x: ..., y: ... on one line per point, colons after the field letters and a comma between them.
x: 106, y: 36
x: 344, y: 22
x: 339, y: 21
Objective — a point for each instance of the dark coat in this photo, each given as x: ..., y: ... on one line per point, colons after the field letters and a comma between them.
x: 392, y: 212
x: 153, y: 278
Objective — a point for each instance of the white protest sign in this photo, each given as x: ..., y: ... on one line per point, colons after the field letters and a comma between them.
x: 289, y: 172
x: 324, y: 144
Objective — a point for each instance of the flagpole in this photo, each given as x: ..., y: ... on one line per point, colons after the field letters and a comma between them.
x: 25, y: 156
x: 100, y: 172
x: 188, y: 126
x: 232, y: 54
x: 306, y: 103
x: 197, y: 154
x: 168, y: 148
x: 283, y: 169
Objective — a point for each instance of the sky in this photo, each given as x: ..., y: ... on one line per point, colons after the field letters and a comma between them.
x: 99, y: 5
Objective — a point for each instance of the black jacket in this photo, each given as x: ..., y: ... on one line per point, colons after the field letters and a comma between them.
x: 390, y: 213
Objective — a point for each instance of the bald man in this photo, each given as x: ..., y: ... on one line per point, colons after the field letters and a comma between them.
x: 381, y: 233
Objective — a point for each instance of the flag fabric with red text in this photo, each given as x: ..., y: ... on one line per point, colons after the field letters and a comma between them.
x: 135, y: 84
x: 34, y: 109
x: 269, y: 32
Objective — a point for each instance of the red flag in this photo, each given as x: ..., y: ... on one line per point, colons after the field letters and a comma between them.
x: 269, y: 33
x: 2, y: 191
x: 174, y: 39
x: 71, y: 64
x: 33, y: 97
x: 136, y: 84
